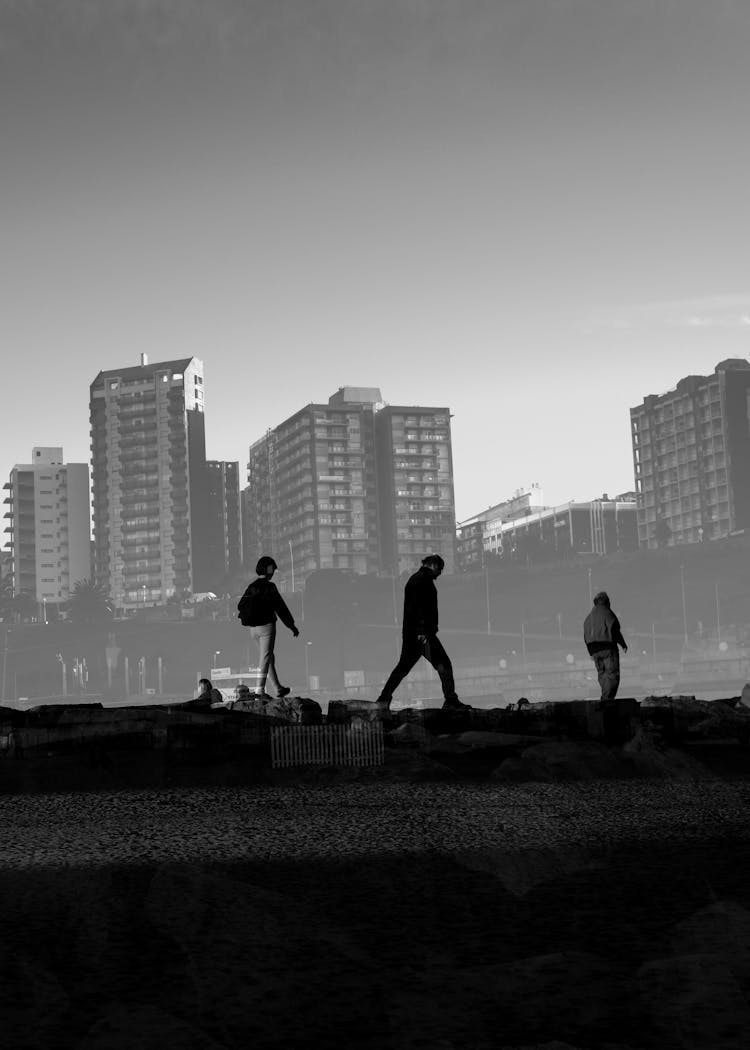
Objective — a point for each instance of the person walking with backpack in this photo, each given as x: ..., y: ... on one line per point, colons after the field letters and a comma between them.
x: 258, y: 608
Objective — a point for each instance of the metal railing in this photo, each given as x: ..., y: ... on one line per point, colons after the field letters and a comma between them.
x: 360, y: 745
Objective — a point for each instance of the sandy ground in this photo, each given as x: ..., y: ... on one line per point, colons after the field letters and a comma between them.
x: 377, y: 915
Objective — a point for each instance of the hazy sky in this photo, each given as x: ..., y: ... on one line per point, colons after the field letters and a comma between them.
x: 533, y: 211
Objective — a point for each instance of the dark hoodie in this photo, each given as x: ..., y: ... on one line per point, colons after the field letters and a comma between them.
x: 420, y: 603
x: 601, y: 630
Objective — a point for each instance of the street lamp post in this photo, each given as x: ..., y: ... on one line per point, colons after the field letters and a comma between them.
x: 523, y: 642
x: 591, y: 594
x: 307, y: 665
x: 487, y: 594
x: 718, y: 616
x: 684, y: 606
x: 291, y: 555
x: 653, y: 641
x: 217, y: 652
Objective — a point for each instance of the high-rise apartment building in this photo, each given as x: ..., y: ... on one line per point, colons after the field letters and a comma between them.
x: 48, y: 508
x: 312, y: 500
x: 415, y: 486
x: 149, y: 470
x: 353, y: 484
x: 224, y: 534
x: 691, y: 456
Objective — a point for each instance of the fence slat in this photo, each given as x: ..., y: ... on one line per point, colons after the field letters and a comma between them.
x: 335, y: 745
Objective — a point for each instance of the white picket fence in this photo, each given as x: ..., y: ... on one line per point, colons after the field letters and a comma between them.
x: 327, y: 745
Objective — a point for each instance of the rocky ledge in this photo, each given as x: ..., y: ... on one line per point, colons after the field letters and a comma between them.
x: 77, y: 745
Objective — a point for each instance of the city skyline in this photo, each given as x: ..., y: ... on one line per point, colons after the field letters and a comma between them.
x: 533, y: 214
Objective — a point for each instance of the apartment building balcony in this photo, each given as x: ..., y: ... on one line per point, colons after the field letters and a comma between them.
x: 151, y: 571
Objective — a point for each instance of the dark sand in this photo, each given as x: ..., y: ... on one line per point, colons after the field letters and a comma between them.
x: 378, y: 916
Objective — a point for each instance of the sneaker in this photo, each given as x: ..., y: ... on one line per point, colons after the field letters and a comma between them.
x: 284, y: 690
x: 454, y: 704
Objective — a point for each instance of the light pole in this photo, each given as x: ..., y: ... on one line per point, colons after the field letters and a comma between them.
x: 684, y: 606
x: 653, y: 641
x: 307, y: 664
x: 217, y: 652
x: 291, y: 555
x: 487, y: 594
x: 523, y: 642
x: 559, y: 624
x: 591, y: 594
x: 718, y: 617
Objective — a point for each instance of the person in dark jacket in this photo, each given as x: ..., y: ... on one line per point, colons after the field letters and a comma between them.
x: 602, y: 635
x: 419, y: 635
x: 207, y: 695
x: 259, y: 607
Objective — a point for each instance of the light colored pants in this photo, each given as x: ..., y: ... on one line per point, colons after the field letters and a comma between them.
x: 265, y: 636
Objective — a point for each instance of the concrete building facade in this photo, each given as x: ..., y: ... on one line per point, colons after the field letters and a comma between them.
x: 352, y: 484
x: 415, y: 482
x: 473, y: 536
x: 149, y: 472
x: 691, y: 458
x: 599, y: 526
x: 224, y: 539
x: 47, y: 506
x: 312, y: 489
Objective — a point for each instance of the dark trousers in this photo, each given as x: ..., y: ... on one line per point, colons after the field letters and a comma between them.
x: 411, y: 650
x: 608, y: 672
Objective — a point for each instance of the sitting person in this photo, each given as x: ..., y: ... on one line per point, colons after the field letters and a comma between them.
x: 207, y: 695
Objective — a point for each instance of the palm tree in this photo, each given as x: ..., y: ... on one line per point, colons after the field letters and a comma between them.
x: 89, y: 602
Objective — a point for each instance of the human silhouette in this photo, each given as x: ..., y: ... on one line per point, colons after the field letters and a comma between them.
x: 259, y: 607
x: 602, y: 635
x: 419, y: 635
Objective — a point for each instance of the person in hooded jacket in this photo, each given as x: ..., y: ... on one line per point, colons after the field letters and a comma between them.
x: 602, y: 635
x: 259, y: 607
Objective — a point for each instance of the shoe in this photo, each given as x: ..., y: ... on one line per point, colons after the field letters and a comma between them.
x: 454, y: 704
x: 284, y: 690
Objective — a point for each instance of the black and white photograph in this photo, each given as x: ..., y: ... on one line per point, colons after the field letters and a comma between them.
x: 375, y: 555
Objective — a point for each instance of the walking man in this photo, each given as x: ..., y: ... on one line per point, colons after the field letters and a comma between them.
x: 419, y: 635
x: 258, y: 608
x: 602, y: 635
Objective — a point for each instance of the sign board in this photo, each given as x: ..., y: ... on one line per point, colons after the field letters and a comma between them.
x: 353, y: 678
x: 220, y: 672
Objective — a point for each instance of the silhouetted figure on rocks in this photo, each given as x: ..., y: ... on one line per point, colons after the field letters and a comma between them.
x: 419, y: 635
x: 258, y: 609
x: 602, y: 635
x: 207, y: 694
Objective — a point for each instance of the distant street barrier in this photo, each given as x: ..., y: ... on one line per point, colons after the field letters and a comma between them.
x: 336, y: 745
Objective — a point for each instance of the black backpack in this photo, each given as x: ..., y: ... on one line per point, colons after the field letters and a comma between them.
x: 250, y: 605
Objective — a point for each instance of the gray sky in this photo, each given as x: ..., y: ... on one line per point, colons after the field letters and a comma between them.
x: 533, y: 211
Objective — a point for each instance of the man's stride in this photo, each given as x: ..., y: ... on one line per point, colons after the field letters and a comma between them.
x: 419, y: 635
